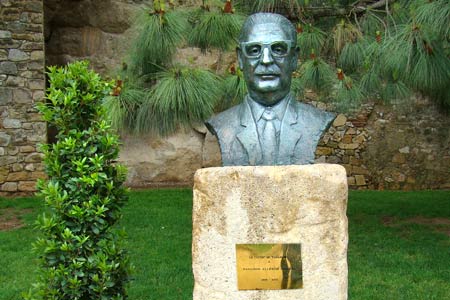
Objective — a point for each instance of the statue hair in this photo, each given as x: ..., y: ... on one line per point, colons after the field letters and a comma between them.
x: 262, y: 18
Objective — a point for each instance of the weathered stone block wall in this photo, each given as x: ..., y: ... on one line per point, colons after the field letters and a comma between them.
x: 382, y: 147
x: 22, y: 84
x: 99, y: 31
x: 379, y: 147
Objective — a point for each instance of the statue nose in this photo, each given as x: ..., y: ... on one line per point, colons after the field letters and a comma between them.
x: 266, y: 56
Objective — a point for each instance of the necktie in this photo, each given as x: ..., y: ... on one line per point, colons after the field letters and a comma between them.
x: 269, y: 137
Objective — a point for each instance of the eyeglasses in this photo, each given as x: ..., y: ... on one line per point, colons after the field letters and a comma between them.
x: 255, y: 49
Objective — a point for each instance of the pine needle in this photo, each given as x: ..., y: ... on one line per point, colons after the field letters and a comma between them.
x: 371, y: 82
x: 274, y: 6
x: 348, y: 96
x: 181, y: 97
x: 234, y: 90
x: 157, y: 42
x: 395, y: 93
x: 213, y: 29
x: 122, y: 109
x: 435, y: 14
x: 317, y: 75
x: 352, y: 56
x: 345, y: 32
x: 310, y: 41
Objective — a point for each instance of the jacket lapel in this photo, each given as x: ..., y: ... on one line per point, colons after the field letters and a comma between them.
x: 248, y: 135
x: 290, y: 133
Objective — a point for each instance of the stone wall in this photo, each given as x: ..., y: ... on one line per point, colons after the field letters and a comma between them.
x: 410, y: 148
x: 90, y: 29
x: 380, y: 148
x: 388, y: 147
x: 21, y: 86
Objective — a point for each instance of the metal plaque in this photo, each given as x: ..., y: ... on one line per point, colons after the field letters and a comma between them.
x: 269, y: 266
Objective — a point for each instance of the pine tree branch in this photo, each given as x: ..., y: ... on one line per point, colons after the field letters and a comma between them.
x: 358, y: 7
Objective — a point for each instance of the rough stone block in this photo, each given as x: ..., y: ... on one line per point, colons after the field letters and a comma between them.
x: 12, y: 123
x: 5, y: 139
x: 15, y: 81
x: 17, y: 167
x: 4, y: 34
x: 38, y: 175
x: 22, y: 96
x: 324, y: 151
x: 38, y: 95
x: 36, y: 66
x: 360, y: 170
x: 348, y: 146
x: 13, y: 151
x: 5, y: 95
x: 34, y: 6
x: 340, y: 120
x: 8, y: 68
x: 270, y: 204
x: 351, y: 180
x: 27, y: 149
x: 360, y: 180
x: 27, y: 186
x: 17, y: 176
x: 36, y: 84
x: 32, y: 46
x: 34, y: 157
x: 37, y: 55
x: 17, y: 55
x: 3, y: 54
x: 9, y: 187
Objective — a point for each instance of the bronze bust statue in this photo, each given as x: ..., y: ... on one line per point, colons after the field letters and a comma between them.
x: 270, y: 127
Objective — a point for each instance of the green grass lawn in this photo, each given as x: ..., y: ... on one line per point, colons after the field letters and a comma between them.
x: 399, y: 245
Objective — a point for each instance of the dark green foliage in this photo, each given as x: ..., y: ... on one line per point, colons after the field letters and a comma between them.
x: 352, y: 56
x: 434, y: 14
x: 371, y: 82
x: 415, y: 55
x: 123, y: 105
x: 81, y: 254
x: 297, y: 86
x: 348, y: 96
x: 182, y: 96
x: 273, y: 5
x: 390, y: 50
x: 343, y: 33
x: 159, y: 37
x: 234, y: 89
x: 317, y: 75
x: 395, y: 92
x: 214, y: 29
x: 372, y: 22
x: 310, y: 41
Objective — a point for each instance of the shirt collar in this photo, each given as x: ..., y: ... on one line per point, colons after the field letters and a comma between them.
x: 278, y: 109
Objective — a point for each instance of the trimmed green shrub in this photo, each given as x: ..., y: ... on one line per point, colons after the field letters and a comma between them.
x: 81, y: 251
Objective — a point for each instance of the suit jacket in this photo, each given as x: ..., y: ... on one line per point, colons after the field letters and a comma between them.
x: 300, y: 131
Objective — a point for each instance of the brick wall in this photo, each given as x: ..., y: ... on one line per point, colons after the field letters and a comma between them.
x: 22, y: 84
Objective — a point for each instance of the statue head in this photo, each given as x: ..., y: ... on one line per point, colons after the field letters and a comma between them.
x: 267, y: 55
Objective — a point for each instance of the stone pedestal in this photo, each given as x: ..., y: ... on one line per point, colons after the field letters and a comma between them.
x: 270, y: 204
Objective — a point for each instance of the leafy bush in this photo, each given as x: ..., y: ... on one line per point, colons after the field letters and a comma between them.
x: 81, y: 252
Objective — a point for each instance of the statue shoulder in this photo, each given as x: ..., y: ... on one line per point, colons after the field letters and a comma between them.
x: 224, y: 120
x: 314, y: 116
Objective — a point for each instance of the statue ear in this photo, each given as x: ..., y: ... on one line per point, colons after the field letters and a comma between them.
x: 239, y: 56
